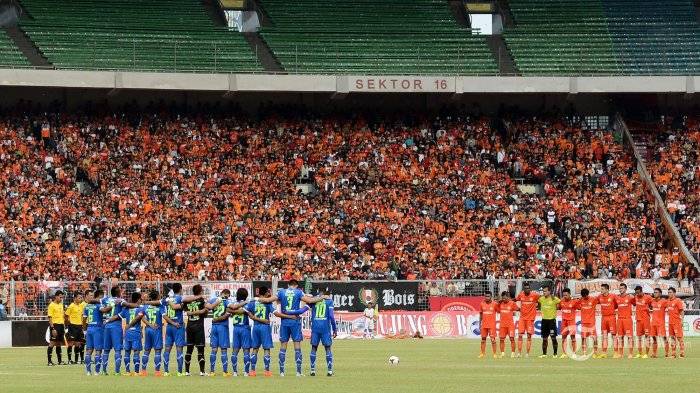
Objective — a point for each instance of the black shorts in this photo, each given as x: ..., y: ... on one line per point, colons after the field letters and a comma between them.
x: 60, y: 333
x: 195, y: 335
x: 75, y: 333
x: 549, y: 327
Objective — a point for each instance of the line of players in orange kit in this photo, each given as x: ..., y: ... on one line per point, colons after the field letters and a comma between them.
x: 616, y: 321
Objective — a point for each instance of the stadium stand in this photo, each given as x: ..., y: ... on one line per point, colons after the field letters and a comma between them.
x: 167, y: 195
x: 10, y: 55
x: 674, y: 163
x: 373, y: 37
x: 561, y: 37
x: 153, y: 35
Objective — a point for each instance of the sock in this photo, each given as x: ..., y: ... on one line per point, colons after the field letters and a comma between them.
x: 127, y: 361
x: 137, y: 363
x: 555, y: 345
x: 88, y: 363
x: 200, y: 357
x: 212, y: 360
x: 681, y: 346
x: 180, y: 358
x: 81, y: 352
x: 329, y: 359
x: 105, y: 360
x: 49, y: 351
x: 144, y: 360
x: 98, y: 362
x: 234, y: 360
x: 224, y: 359
x: 282, y: 358
x: 665, y: 349
x: 520, y: 344
x: 298, y: 359
x: 158, y: 359
x: 188, y: 357
x: 503, y: 344
x: 59, y: 354
x: 70, y: 353
x: 117, y: 360
x: 312, y: 359
x: 545, y: 343
x: 512, y: 345
x: 605, y: 343
x: 253, y: 360
x: 529, y: 344
x: 166, y: 361
x: 246, y: 361
x: 266, y: 361
x: 483, y: 346
x: 493, y: 346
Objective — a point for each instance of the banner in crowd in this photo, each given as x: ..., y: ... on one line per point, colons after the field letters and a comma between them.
x: 450, y: 303
x: 648, y: 285
x: 355, y: 295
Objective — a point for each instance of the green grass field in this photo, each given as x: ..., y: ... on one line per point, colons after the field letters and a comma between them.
x: 361, y: 366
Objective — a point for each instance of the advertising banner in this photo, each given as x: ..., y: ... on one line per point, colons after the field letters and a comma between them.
x: 355, y: 295
x: 449, y: 303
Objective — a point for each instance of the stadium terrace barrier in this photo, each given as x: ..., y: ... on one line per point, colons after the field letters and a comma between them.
x: 620, y: 126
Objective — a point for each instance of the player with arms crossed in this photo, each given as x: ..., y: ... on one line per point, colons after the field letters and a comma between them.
x: 506, y: 309
x: 642, y: 304
x: 133, y: 337
x: 623, y: 303
x: 322, y: 326
x: 153, y: 318
x: 608, y: 325
x: 74, y: 322
x: 658, y: 322
x: 676, y: 309
x: 548, y: 307
x: 262, y: 331
x: 487, y: 323
x: 526, y: 323
x: 290, y: 303
x: 588, y: 305
x: 92, y: 324
x: 568, y: 307
x: 56, y: 314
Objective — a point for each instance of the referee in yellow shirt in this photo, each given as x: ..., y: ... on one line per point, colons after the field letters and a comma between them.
x: 548, y: 307
x: 56, y: 321
x: 74, y: 337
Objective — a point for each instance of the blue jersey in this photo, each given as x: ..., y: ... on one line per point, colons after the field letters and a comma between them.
x: 173, y: 314
x: 92, y: 314
x: 219, y: 310
x: 116, y: 304
x: 260, y: 310
x: 129, y: 314
x: 322, y: 318
x: 239, y: 320
x: 154, y: 315
x: 290, y: 300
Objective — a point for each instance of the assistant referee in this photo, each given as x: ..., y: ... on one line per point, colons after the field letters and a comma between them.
x: 56, y: 315
x: 548, y: 308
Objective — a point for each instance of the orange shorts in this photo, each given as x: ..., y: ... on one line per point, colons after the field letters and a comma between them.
x: 607, y: 324
x: 675, y: 330
x: 643, y: 327
x: 658, y: 329
x: 588, y: 330
x: 506, y: 331
x: 624, y: 327
x: 526, y: 326
x: 488, y: 331
x: 568, y: 328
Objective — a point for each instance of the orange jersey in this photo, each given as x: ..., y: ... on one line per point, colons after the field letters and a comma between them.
x: 675, y: 307
x: 658, y: 311
x: 607, y: 305
x: 528, y: 305
x: 641, y: 308
x: 568, y: 309
x: 506, y: 310
x: 488, y: 314
x: 587, y: 307
x: 624, y: 306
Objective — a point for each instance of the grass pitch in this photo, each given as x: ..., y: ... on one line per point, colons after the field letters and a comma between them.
x: 362, y: 366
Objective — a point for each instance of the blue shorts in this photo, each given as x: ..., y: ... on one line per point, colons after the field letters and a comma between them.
x: 112, y: 338
x: 323, y: 336
x: 132, y: 340
x: 175, y: 336
x: 93, y: 338
x: 261, y: 336
x: 291, y: 331
x: 218, y: 337
x: 241, y: 337
x: 154, y: 339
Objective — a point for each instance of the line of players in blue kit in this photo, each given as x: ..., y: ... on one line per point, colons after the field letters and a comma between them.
x: 112, y: 323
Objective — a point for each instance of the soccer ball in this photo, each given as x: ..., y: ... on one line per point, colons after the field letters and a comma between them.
x: 394, y: 360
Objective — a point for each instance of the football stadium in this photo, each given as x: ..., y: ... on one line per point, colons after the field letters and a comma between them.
x: 349, y: 196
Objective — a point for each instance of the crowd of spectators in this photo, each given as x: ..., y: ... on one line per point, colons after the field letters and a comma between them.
x: 674, y: 164
x: 156, y: 195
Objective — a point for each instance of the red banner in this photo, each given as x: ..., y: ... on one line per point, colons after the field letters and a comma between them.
x: 400, y: 324
x: 446, y: 303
